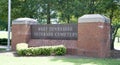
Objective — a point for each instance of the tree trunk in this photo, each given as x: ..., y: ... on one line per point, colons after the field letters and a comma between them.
x: 112, y: 36
x: 48, y: 14
x: 92, y: 7
x: 118, y: 40
x: 68, y: 19
x: 113, y: 39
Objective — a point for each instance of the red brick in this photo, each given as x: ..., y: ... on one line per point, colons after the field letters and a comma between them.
x: 94, y: 41
x: 20, y: 34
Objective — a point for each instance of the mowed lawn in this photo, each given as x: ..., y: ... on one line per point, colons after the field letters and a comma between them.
x: 8, y: 59
x: 117, y: 44
x: 3, y: 34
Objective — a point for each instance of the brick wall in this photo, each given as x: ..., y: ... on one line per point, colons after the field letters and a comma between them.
x: 93, y: 40
x: 20, y: 34
x: 93, y: 36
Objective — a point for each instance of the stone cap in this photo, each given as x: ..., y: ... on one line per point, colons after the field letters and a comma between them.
x: 24, y: 21
x: 93, y: 18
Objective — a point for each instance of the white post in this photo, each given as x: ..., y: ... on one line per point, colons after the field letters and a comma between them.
x: 9, y: 27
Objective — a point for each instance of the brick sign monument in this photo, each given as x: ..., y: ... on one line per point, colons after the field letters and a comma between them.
x: 90, y: 37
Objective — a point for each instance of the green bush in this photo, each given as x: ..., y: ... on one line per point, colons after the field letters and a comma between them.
x: 118, y: 33
x: 21, y: 48
x: 3, y: 41
x: 21, y: 52
x: 34, y: 51
x: 59, y: 50
x: 45, y: 50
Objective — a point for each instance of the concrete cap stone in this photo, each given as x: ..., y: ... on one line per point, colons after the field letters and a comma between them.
x: 24, y: 21
x: 93, y: 18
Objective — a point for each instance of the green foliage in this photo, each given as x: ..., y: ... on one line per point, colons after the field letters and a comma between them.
x: 3, y: 14
x: 3, y: 25
x: 118, y: 33
x: 20, y: 46
x: 2, y: 49
x: 45, y: 51
x: 3, y: 10
x: 21, y: 52
x: 64, y: 10
x: 44, y: 10
x: 35, y: 51
x: 59, y: 50
x: 3, y: 41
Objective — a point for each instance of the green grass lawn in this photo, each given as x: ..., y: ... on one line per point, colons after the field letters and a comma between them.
x: 50, y: 60
x: 2, y: 49
x: 117, y: 44
x: 3, y: 34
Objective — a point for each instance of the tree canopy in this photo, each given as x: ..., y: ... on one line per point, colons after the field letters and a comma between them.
x: 66, y: 11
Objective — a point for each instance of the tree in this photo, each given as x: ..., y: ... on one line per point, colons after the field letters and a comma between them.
x: 114, y: 12
x: 3, y: 15
x: 48, y: 6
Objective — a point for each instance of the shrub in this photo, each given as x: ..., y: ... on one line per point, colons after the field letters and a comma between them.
x: 45, y: 50
x: 28, y: 52
x: 3, y: 41
x: 21, y: 46
x: 35, y: 51
x: 59, y: 50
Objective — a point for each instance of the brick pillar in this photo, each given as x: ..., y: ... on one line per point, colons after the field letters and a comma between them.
x: 21, y: 31
x: 94, y: 36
